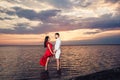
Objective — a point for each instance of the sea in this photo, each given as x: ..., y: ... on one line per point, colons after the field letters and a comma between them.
x: 22, y: 62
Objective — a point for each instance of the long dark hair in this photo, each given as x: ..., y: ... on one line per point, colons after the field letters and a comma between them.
x: 45, y: 41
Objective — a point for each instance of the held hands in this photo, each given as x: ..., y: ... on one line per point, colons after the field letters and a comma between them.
x: 55, y: 51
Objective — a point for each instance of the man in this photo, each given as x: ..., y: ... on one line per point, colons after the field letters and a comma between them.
x: 57, y: 51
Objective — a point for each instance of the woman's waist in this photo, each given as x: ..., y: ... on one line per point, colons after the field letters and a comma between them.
x: 47, y: 50
x: 50, y: 48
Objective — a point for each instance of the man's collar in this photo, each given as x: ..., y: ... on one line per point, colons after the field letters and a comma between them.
x: 58, y: 38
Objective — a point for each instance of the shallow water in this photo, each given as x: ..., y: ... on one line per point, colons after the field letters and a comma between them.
x: 22, y: 62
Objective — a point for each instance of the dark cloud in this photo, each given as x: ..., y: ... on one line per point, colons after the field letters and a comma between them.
x: 82, y: 3
x: 25, y: 28
x: 67, y: 4
x: 6, y: 31
x: 4, y: 10
x: 14, y: 1
x: 107, y: 21
x: 44, y: 15
x: 6, y: 18
x: 29, y: 14
x: 21, y: 28
x: 62, y: 4
x: 112, y: 1
x: 95, y: 32
x: 32, y: 15
x: 10, y: 12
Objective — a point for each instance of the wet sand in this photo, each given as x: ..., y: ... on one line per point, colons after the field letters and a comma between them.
x: 22, y: 62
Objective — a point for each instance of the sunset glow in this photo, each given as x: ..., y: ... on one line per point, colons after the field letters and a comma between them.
x: 28, y: 22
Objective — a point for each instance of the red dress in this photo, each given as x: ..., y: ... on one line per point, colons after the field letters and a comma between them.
x: 47, y: 54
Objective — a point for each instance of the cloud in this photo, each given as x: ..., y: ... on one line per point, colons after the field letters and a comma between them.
x: 84, y: 17
x: 93, y: 32
x: 44, y: 15
x: 24, y: 28
x: 32, y: 15
x: 61, y: 4
x: 65, y: 15
x: 74, y: 37
x: 5, y: 18
x: 112, y: 1
x: 104, y: 22
x: 17, y: 30
x: 68, y: 4
x: 82, y: 3
x: 105, y: 40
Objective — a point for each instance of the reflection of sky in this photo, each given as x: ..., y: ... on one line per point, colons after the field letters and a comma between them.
x: 28, y: 21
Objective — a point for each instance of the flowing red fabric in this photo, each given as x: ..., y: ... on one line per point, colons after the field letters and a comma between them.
x: 47, y: 54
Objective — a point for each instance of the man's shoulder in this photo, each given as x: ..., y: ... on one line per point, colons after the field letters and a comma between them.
x: 59, y: 39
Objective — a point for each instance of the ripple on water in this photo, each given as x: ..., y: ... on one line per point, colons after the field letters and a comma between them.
x: 21, y: 62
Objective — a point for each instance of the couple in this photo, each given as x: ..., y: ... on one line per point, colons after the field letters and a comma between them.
x: 50, y: 52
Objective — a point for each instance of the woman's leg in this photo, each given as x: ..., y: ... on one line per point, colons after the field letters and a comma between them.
x: 46, y: 65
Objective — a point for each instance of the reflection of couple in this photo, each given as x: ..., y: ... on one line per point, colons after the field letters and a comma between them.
x: 50, y: 52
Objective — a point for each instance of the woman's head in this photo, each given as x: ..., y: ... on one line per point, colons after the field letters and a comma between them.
x: 46, y: 40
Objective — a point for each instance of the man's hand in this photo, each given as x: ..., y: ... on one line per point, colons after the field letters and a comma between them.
x: 55, y: 51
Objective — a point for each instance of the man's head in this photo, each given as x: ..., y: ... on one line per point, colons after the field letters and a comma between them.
x: 57, y: 35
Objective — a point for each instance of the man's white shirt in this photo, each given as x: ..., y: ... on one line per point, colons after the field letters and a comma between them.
x: 57, y: 44
x: 57, y: 48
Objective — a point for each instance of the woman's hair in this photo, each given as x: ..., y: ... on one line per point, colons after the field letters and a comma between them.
x: 45, y: 41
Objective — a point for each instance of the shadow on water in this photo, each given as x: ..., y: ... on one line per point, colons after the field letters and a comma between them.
x: 112, y: 74
x: 47, y: 76
x: 52, y: 74
x: 44, y: 75
x: 1, y: 68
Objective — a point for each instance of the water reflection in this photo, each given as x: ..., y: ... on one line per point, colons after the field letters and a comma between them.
x: 44, y: 75
x: 22, y: 62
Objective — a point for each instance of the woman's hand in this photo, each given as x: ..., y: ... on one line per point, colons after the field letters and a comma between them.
x: 53, y: 53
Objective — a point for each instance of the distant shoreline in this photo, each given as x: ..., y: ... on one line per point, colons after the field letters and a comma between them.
x: 66, y: 45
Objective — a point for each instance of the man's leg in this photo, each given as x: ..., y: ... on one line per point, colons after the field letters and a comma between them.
x: 57, y: 56
x: 58, y: 64
x: 58, y: 67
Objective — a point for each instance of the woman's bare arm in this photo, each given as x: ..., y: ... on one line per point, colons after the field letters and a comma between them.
x: 50, y: 49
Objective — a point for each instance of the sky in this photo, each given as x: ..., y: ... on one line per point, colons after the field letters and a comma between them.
x: 27, y: 22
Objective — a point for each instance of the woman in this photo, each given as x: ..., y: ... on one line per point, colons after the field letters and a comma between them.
x: 48, y: 53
